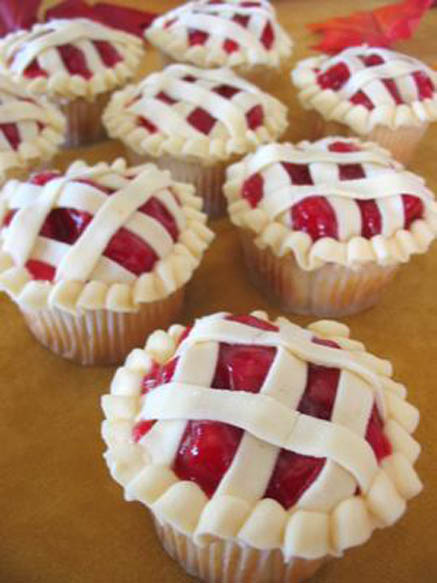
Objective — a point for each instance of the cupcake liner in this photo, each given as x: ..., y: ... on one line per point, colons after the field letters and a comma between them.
x: 332, y: 290
x: 208, y: 180
x: 401, y: 142
x: 84, y: 120
x: 230, y: 562
x: 101, y: 336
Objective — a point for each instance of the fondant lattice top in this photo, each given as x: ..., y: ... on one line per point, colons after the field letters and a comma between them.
x: 190, y: 112
x: 71, y: 57
x: 368, y: 86
x: 308, y: 399
x: 232, y: 33
x: 334, y: 200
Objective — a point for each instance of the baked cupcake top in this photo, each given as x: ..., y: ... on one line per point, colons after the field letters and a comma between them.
x: 30, y: 129
x: 263, y: 432
x: 336, y: 200
x: 103, y: 236
x: 368, y: 86
x: 203, y: 114
x: 70, y: 58
x: 233, y: 33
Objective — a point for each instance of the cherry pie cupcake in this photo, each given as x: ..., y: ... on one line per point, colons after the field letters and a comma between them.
x: 98, y: 257
x: 239, y: 34
x: 260, y: 448
x: 194, y: 122
x: 31, y: 130
x: 76, y: 63
x: 325, y: 225
x: 381, y: 95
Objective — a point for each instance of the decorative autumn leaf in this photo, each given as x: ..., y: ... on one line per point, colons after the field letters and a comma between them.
x: 380, y: 27
x: 128, y: 19
x: 16, y: 14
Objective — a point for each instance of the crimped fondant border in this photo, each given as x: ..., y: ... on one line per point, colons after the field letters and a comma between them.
x: 264, y: 524
x: 62, y: 84
x: 123, y: 125
x: 353, y: 253
x: 44, y: 145
x: 204, y: 56
x: 168, y: 274
x: 332, y: 107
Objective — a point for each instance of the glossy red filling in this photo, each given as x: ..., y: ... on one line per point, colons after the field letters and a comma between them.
x: 315, y: 215
x: 336, y: 76
x: 10, y: 131
x: 125, y: 248
x: 199, y: 37
x: 207, y: 448
x: 75, y: 61
x: 201, y: 119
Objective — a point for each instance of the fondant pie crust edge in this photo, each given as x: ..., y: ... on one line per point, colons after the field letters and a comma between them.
x: 64, y: 85
x: 264, y: 524
x: 169, y: 273
x: 311, y: 255
x: 333, y: 108
x: 119, y: 124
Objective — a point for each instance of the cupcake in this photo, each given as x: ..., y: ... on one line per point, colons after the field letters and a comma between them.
x: 31, y: 130
x: 98, y: 257
x: 261, y: 448
x: 76, y: 63
x: 194, y: 122
x: 238, y: 34
x: 375, y: 93
x: 324, y: 226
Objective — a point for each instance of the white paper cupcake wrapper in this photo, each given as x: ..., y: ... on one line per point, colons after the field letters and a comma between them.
x: 101, y: 336
x: 230, y: 562
x: 330, y: 291
x: 84, y: 120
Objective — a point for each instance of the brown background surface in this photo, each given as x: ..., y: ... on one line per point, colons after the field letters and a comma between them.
x: 62, y: 518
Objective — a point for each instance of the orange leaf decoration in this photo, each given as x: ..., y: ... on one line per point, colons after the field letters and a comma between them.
x: 380, y: 27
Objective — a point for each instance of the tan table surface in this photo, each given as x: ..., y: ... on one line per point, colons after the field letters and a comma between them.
x: 63, y: 519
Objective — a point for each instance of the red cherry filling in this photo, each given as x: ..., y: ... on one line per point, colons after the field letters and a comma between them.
x: 34, y: 70
x: 146, y: 123
x: 207, y: 448
x: 267, y: 36
x: 230, y: 46
x: 108, y: 53
x: 351, y: 171
x: 40, y: 270
x: 334, y: 78
x: 10, y: 132
x: 316, y: 217
x: 200, y: 119
x: 165, y: 97
x: 253, y: 189
x: 197, y: 37
x: 393, y: 90
x: 226, y: 91
x: 343, y: 147
x: 125, y: 248
x: 74, y: 60
x: 360, y: 98
x: 413, y: 209
x: 206, y: 452
x: 371, y: 219
x: 255, y: 117
x: 376, y: 437
x: 299, y: 173
x: 425, y: 86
